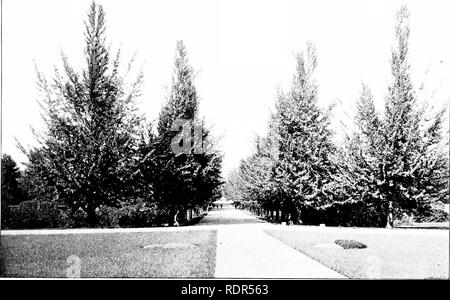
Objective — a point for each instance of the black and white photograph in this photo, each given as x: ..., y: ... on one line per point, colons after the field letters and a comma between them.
x: 225, y: 140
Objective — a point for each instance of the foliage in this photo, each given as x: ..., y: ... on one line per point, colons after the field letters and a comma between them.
x: 86, y: 156
x: 252, y: 185
x: 304, y: 168
x: 31, y: 214
x: 395, y: 161
x: 142, y: 215
x: 291, y: 168
x: 192, y: 178
x: 108, y: 216
x: 36, y: 182
x: 392, y: 164
x: 95, y: 157
x: 11, y: 175
x: 97, y: 160
x: 433, y: 215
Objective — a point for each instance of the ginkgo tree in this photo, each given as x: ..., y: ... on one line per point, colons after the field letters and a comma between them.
x: 304, y: 168
x: 87, y: 152
x: 186, y: 163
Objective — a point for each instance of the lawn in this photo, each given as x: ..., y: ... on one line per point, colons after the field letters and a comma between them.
x: 395, y: 253
x: 168, y: 254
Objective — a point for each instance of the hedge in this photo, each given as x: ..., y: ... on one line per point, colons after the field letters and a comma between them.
x: 347, y: 214
x: 43, y: 214
x: 31, y: 215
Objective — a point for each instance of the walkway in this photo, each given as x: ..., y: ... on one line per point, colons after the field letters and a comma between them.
x: 245, y: 251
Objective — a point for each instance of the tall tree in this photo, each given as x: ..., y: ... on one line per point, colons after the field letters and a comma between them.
x: 188, y: 166
x: 256, y: 172
x: 359, y: 160
x: 252, y: 185
x: 92, y: 127
x: 304, y: 167
x: 410, y: 171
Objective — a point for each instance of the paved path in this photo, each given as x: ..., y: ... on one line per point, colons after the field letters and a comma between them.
x: 245, y: 251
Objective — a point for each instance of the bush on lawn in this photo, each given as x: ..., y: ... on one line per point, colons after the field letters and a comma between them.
x: 350, y: 244
x: 141, y: 215
x: 434, y: 215
x: 66, y: 220
x: 79, y: 219
x: 108, y: 216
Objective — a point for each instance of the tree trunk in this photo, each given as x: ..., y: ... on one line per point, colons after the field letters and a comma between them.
x: 390, y: 215
x: 277, y: 215
x: 298, y: 217
x: 175, y: 219
x: 91, y: 216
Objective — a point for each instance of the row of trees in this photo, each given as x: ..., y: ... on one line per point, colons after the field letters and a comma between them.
x: 96, y: 151
x: 391, y: 163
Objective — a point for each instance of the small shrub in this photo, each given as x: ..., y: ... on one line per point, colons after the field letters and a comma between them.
x: 108, y: 216
x: 79, y: 219
x: 350, y: 244
x: 140, y: 215
x: 65, y: 219
x: 434, y: 215
x: 127, y: 216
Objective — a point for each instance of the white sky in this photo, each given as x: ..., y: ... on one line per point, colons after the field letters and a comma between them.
x: 242, y: 49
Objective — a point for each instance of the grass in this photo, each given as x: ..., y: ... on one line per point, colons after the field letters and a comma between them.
x: 111, y: 254
x: 397, y: 253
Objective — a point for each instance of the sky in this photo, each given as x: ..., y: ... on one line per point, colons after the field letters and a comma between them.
x: 241, y: 50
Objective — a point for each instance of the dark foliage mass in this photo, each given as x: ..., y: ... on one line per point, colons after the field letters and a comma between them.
x: 11, y: 176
